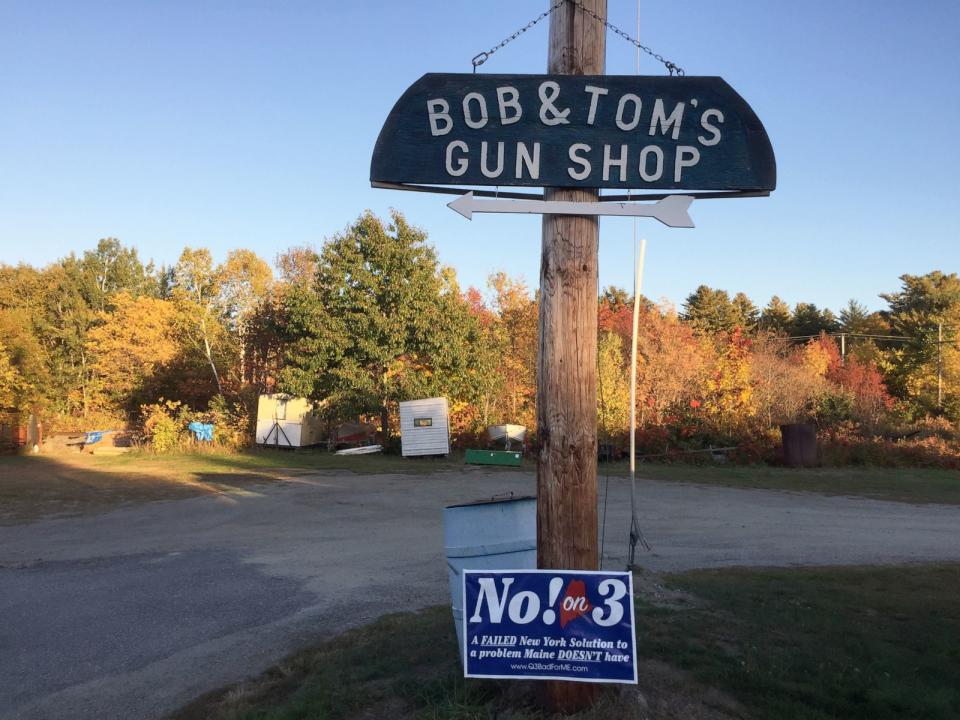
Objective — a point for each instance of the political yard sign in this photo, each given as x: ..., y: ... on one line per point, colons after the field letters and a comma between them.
x: 549, y: 625
x: 599, y: 131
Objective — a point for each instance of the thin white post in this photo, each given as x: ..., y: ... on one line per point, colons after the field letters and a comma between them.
x: 637, y: 286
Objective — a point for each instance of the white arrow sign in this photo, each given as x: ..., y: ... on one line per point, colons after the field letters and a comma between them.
x: 671, y: 211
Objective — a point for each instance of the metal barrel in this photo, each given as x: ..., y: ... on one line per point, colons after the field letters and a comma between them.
x: 800, y: 445
x: 499, y: 533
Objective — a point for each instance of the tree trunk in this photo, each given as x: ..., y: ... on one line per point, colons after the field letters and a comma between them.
x: 206, y: 348
x: 385, y: 425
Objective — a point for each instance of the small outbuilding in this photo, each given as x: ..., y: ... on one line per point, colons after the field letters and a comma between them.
x: 424, y: 427
x: 288, y: 422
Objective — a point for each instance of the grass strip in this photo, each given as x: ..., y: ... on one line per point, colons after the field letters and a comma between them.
x: 844, y: 643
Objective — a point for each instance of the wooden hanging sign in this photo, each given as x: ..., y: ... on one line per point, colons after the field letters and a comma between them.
x: 602, y: 131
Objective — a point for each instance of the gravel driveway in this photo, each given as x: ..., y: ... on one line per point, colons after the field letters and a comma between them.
x: 133, y: 613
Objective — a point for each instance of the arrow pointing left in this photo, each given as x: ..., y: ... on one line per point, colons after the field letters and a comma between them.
x: 671, y: 211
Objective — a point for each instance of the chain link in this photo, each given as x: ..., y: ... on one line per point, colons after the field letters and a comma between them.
x: 481, y: 58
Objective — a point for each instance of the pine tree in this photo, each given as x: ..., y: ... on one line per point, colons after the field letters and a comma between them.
x: 746, y: 312
x: 809, y: 320
x: 710, y: 311
x: 776, y: 316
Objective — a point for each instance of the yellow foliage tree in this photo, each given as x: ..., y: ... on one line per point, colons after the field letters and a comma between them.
x: 729, y: 394
x: 514, y: 334
x: 133, y: 340
x: 613, y: 388
x: 11, y: 383
x: 672, y: 365
x: 815, y: 358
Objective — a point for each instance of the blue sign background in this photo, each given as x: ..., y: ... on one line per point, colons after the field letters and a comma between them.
x: 549, y: 625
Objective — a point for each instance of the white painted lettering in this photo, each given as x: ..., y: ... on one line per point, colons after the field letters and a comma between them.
x: 581, y: 161
x: 516, y: 611
x: 462, y: 162
x: 468, y: 117
x: 487, y: 172
x: 549, y: 113
x: 645, y: 163
x: 620, y: 162
x: 709, y: 127
x: 691, y: 159
x: 595, y: 93
x: 532, y: 163
x: 439, y: 110
x: 509, y: 97
x: 495, y: 602
x: 660, y: 118
x: 622, y: 105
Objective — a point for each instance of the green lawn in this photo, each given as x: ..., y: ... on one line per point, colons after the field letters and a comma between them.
x: 815, y: 644
x: 267, y: 460
x: 914, y: 485
x: 799, y: 644
x: 37, y: 486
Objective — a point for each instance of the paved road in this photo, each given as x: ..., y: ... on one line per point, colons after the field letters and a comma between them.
x: 133, y: 613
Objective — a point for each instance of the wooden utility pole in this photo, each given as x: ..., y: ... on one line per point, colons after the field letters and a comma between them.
x: 567, y: 358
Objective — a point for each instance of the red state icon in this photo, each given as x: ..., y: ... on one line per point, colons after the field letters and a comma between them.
x: 574, y: 602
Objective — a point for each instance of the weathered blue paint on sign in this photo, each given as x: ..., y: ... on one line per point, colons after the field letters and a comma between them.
x: 603, y: 131
x: 549, y: 625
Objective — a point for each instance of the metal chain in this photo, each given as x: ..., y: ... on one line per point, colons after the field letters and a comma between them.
x: 481, y: 58
x: 671, y: 67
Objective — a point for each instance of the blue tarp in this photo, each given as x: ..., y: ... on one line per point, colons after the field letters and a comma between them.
x: 93, y: 437
x: 203, y: 432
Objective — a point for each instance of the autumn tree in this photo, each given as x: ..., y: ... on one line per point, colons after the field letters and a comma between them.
x: 710, y: 311
x: 784, y: 390
x: 515, y: 337
x: 380, y: 322
x: 672, y: 364
x: 728, y: 393
x: 297, y: 265
x: 808, y: 320
x: 746, y: 313
x: 132, y: 342
x: 196, y: 290
x: 924, y: 305
x: 11, y: 382
x: 243, y: 281
x: 613, y: 387
x: 23, y: 331
x: 857, y: 320
x: 113, y: 268
x: 776, y: 316
x: 615, y: 312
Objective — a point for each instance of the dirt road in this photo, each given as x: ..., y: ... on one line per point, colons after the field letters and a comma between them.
x: 132, y: 613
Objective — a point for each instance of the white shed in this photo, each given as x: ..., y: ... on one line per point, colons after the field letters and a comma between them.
x: 424, y: 429
x: 285, y: 421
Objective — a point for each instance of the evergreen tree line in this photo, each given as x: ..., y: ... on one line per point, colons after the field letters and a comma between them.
x: 371, y: 318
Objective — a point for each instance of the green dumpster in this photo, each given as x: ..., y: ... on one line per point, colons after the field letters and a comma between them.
x: 494, y: 457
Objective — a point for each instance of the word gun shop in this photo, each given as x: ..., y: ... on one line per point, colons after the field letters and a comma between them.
x: 633, y: 161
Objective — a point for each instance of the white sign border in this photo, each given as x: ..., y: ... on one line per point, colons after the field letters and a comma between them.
x: 633, y: 624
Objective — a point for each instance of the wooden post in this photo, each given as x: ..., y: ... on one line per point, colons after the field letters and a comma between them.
x: 567, y: 358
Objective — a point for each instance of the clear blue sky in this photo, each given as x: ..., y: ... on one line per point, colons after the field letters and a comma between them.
x: 251, y: 124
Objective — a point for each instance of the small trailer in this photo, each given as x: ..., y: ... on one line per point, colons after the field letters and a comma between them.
x: 424, y: 427
x: 287, y: 422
